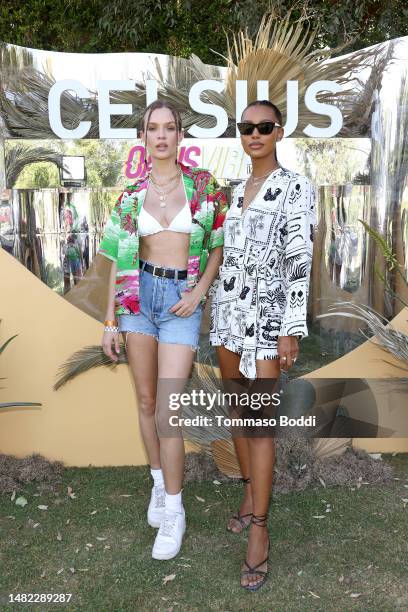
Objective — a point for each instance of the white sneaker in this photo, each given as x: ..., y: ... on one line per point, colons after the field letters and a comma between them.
x: 155, y: 511
x: 170, y: 535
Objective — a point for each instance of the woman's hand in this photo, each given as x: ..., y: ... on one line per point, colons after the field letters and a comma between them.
x: 288, y: 351
x: 188, y: 303
x: 110, y: 340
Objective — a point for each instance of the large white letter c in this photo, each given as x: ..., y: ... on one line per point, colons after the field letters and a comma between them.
x: 54, y: 109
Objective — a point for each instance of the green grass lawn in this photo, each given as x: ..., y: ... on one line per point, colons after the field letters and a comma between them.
x: 97, y: 546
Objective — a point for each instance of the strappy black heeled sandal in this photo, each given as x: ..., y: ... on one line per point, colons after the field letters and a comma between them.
x: 260, y: 521
x: 240, y: 517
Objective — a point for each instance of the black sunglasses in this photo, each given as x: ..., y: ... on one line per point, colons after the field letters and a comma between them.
x: 264, y: 128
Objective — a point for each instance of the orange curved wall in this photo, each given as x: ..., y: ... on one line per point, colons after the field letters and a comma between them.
x: 93, y: 419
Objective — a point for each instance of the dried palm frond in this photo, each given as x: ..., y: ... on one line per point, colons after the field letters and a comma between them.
x: 277, y: 56
x: 24, y: 100
x: 281, y: 52
x: 328, y: 447
x: 386, y: 336
x: 84, y: 360
x: 24, y: 105
x: 358, y: 116
x: 218, y: 440
x: 174, y: 86
x: 21, y: 155
x: 223, y: 453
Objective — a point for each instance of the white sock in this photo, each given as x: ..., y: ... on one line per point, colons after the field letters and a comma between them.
x: 157, y: 476
x: 173, y: 503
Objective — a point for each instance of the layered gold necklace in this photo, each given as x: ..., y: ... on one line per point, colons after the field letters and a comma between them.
x: 164, y: 189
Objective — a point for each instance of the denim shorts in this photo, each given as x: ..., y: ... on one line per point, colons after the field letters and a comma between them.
x: 157, y: 295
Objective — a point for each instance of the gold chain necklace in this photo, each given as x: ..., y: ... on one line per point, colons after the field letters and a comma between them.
x: 168, y: 188
x: 256, y: 180
x: 163, y: 194
x: 170, y: 180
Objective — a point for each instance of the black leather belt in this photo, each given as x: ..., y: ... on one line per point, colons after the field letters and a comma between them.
x: 163, y: 272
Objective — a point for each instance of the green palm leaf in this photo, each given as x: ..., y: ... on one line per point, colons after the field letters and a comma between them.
x: 84, y: 360
x: 7, y: 342
x: 392, y: 259
x: 12, y: 404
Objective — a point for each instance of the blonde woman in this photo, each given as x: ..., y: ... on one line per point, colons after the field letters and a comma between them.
x: 165, y: 240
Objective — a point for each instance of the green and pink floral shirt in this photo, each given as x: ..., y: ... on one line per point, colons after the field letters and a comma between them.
x: 120, y: 243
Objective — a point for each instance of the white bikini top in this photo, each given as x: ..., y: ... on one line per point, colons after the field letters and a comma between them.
x: 148, y: 225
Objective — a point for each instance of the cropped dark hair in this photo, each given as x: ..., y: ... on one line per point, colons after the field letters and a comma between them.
x: 268, y: 105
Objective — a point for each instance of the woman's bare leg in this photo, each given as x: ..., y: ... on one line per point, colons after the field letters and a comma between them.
x: 262, y: 460
x: 174, y: 366
x: 144, y: 372
x: 229, y: 366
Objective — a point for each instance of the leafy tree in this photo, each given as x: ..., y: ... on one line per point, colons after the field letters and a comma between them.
x: 59, y: 25
x: 331, y: 161
x: 361, y: 22
x: 37, y: 176
x: 182, y: 27
x: 103, y: 160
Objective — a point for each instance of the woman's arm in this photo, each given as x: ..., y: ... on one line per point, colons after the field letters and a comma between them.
x: 210, y: 273
x: 216, y: 242
x: 109, y: 248
x: 110, y: 338
x: 301, y: 218
x: 190, y: 301
x: 110, y: 310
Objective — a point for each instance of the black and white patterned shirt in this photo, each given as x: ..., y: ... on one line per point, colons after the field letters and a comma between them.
x: 263, y: 284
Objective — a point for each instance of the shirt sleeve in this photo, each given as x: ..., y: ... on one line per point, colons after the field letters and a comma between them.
x: 217, y: 195
x: 110, y: 240
x: 301, y: 219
